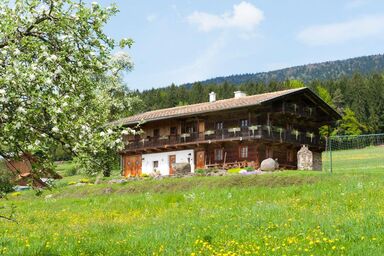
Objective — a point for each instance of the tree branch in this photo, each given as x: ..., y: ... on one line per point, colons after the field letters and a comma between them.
x: 28, y: 31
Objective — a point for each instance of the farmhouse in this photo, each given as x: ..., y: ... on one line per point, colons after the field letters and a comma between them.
x: 241, y: 131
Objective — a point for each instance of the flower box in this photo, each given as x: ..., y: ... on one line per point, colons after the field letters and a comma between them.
x: 234, y: 129
x: 209, y: 132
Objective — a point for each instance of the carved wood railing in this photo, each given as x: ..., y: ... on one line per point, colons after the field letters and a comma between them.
x: 270, y: 133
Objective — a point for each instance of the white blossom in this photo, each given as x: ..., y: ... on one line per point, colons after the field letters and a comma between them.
x: 21, y: 110
x: 55, y: 129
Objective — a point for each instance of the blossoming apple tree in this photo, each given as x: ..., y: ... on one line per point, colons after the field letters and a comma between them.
x: 60, y: 83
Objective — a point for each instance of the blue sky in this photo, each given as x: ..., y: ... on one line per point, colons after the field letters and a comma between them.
x: 191, y: 40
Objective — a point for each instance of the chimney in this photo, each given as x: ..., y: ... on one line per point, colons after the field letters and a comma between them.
x: 239, y: 94
x: 212, y: 97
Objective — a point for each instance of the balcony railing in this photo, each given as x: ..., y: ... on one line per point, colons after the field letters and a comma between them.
x: 270, y: 133
x: 308, y: 112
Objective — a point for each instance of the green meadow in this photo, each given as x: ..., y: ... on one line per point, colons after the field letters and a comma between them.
x: 284, y: 213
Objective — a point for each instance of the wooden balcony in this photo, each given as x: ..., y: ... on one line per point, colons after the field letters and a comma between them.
x: 255, y: 132
x: 297, y: 110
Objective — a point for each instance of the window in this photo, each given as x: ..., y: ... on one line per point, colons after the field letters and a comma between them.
x: 155, y: 165
x: 244, y: 123
x: 173, y: 131
x: 219, y: 154
x: 219, y: 125
x: 156, y: 133
x: 243, y: 151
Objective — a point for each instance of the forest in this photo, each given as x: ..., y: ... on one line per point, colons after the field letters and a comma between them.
x: 329, y: 70
x: 358, y: 97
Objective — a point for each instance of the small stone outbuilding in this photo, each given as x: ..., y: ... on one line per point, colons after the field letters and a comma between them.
x: 308, y: 160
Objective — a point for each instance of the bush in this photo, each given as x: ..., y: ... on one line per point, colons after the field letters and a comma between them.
x: 71, y: 171
x: 249, y: 168
x: 200, y: 171
x: 6, y: 179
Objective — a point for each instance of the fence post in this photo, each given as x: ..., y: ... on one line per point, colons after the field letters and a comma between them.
x: 330, y: 152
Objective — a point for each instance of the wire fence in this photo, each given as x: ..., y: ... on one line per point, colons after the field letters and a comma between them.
x: 354, y: 153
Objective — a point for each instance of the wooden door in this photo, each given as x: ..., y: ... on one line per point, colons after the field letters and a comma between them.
x: 132, y: 165
x: 200, y: 159
x: 138, y: 165
x: 172, y: 161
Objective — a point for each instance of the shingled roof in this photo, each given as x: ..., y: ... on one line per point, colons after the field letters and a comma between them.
x: 205, y: 107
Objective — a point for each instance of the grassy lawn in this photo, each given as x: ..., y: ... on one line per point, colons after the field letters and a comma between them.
x: 285, y: 213
x: 368, y: 158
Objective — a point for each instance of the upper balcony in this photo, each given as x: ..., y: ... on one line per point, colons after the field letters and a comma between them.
x: 297, y: 110
x: 254, y: 132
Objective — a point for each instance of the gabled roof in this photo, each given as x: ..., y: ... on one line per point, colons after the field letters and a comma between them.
x: 218, y: 105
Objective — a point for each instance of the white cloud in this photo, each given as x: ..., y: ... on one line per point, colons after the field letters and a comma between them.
x: 335, y: 33
x: 245, y: 16
x: 203, y: 66
x: 151, y: 18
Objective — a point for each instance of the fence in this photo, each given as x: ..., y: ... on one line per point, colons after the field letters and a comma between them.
x: 354, y: 153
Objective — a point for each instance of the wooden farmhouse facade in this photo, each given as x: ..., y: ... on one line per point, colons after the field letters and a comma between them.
x: 241, y: 131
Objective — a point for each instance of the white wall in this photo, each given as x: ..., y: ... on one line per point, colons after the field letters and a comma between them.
x: 163, y: 158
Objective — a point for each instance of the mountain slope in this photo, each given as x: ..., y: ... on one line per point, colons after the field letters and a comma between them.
x: 329, y: 70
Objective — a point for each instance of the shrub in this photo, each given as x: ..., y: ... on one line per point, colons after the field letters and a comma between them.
x: 200, y: 171
x: 6, y: 179
x: 84, y: 180
x: 249, y: 168
x: 71, y: 171
x: 72, y: 183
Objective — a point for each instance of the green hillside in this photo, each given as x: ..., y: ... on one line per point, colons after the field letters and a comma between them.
x: 285, y: 213
x: 329, y: 70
